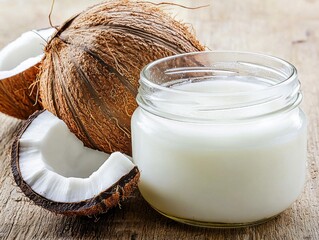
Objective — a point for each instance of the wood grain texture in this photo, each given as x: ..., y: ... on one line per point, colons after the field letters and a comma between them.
x: 287, y: 29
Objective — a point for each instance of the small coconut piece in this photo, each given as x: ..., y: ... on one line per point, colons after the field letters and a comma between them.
x: 56, y: 171
x: 91, y: 67
x: 19, y: 66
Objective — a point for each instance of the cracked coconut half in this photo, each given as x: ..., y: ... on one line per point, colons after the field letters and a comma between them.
x: 55, y: 170
x: 19, y: 66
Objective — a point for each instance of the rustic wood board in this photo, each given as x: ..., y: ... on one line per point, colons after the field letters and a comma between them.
x: 287, y: 29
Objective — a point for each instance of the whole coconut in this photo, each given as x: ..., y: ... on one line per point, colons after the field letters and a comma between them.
x: 90, y: 71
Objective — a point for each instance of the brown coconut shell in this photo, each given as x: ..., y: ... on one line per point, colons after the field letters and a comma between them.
x: 18, y: 96
x: 100, y: 203
x: 89, y: 77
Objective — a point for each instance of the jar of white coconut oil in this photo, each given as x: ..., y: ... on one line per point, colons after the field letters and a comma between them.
x: 219, y: 138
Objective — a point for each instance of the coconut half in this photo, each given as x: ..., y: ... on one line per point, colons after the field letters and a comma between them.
x: 19, y: 66
x: 55, y: 170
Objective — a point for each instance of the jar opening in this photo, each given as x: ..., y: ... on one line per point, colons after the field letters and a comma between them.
x: 218, y: 86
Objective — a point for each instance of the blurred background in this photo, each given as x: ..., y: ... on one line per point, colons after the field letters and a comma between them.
x: 247, y: 25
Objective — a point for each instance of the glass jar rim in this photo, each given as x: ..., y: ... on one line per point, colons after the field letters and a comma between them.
x: 145, y: 79
x: 279, y: 92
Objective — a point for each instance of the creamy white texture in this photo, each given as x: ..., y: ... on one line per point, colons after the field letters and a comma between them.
x: 24, y: 52
x: 57, y: 166
x: 236, y: 172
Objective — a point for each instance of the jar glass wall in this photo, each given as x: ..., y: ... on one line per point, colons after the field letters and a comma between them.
x: 219, y: 138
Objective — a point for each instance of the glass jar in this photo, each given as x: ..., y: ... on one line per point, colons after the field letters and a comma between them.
x: 219, y: 138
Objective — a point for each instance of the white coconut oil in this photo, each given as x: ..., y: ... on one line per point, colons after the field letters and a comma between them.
x: 218, y: 149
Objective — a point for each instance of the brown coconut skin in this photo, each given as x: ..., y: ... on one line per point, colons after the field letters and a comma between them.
x: 89, y: 77
x: 16, y: 96
x: 100, y: 203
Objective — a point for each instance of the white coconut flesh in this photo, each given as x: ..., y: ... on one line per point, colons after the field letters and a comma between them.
x: 24, y: 52
x: 57, y: 166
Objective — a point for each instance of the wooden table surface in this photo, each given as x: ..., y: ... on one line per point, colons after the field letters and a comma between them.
x: 284, y: 28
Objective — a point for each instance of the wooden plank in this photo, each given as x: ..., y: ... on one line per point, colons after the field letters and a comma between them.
x: 283, y: 28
